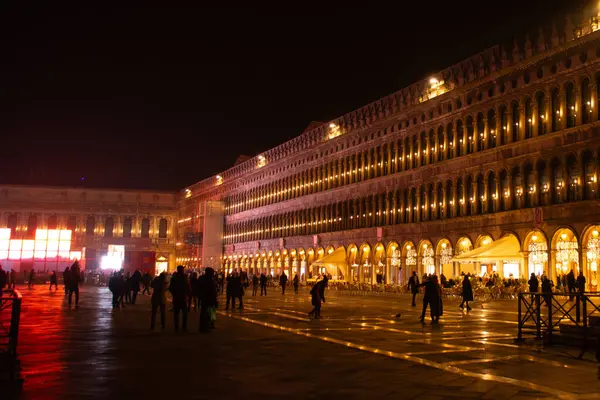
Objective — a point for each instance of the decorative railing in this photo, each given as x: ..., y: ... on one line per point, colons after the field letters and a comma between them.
x: 541, y: 315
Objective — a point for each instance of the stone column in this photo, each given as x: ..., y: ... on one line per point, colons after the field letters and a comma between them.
x: 522, y: 120
x: 578, y: 105
x: 562, y: 121
x: 537, y: 121
x: 510, y: 125
x: 486, y: 135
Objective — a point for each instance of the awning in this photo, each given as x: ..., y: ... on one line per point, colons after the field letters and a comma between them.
x: 503, y: 249
x: 334, y: 262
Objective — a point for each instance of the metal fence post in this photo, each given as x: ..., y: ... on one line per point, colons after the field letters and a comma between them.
x: 577, y: 310
x: 538, y: 322
x: 15, y: 318
x: 520, y: 329
x: 550, y: 299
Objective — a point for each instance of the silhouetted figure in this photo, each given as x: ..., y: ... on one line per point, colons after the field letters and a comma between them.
x: 443, y: 280
x: 571, y: 283
x: 296, y: 282
x: 159, y: 299
x: 467, y: 293
x: 13, y: 278
x: 316, y: 300
x: 136, y: 279
x: 66, y: 279
x: 283, y: 282
x: 263, y: 284
x: 207, y: 291
x: 581, y: 283
x: 74, y: 279
x: 234, y: 291
x: 413, y: 286
x: 194, y: 292
x: 533, y: 283
x: 147, y: 282
x: 53, y: 281
x: 116, y: 285
x: 128, y: 288
x: 3, y: 280
x: 180, y: 290
x: 547, y: 289
x: 31, y: 278
x: 254, y: 284
x: 432, y: 299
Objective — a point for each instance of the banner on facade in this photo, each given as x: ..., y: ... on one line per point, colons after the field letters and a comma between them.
x: 379, y: 234
x: 538, y: 217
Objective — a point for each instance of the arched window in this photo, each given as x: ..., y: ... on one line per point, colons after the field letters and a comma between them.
x: 571, y: 111
x: 492, y: 128
x: 109, y: 225
x: 450, y: 141
x: 145, y: 231
x: 127, y: 227
x: 162, y: 228
x: 515, y: 121
x: 586, y: 101
x: 555, y: 113
x: 504, y: 135
x: 90, y: 226
x: 460, y: 136
x: 32, y: 222
x: 72, y: 223
x: 529, y: 119
x: 470, y: 135
x: 52, y: 222
x: 12, y: 222
x: 542, y: 115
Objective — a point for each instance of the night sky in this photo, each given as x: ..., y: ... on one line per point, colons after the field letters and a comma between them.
x: 159, y: 98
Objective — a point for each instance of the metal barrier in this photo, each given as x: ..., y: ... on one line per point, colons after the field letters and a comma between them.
x: 541, y: 314
x: 10, y: 316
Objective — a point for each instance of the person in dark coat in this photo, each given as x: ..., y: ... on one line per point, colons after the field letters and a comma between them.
x: 116, y: 285
x: 74, y: 279
x: 180, y: 290
x: 413, y: 286
x: 147, y: 283
x: 31, y: 278
x: 53, y: 281
x: 263, y: 284
x: 296, y: 282
x: 467, y: 293
x: 581, y: 283
x: 432, y: 299
x: 127, y: 288
x: 283, y: 282
x: 159, y: 299
x: 533, y: 283
x: 315, y: 293
x: 207, y: 294
x: 547, y: 289
x: 13, y: 278
x: 234, y: 291
x: 194, y: 293
x: 66, y: 278
x: 571, y: 284
x: 136, y: 279
x: 254, y: 284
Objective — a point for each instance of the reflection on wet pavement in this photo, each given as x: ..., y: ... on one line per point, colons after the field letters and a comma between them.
x: 273, y: 350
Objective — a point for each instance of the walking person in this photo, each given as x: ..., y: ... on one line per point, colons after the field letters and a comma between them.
x: 194, y: 292
x: 128, y: 288
x: 147, y: 282
x: 316, y: 300
x: 533, y: 283
x: 180, y: 290
x: 581, y: 283
x: 547, y: 290
x: 263, y: 284
x: 159, y: 300
x: 467, y: 292
x: 413, y: 286
x: 115, y: 285
x: 66, y: 278
x: 254, y: 284
x: 233, y: 291
x: 283, y: 282
x: 296, y: 282
x: 53, y: 281
x: 136, y: 278
x: 74, y: 279
x: 13, y: 278
x: 207, y: 293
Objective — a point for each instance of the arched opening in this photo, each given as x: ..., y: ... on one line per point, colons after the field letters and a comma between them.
x: 543, y: 184
x: 145, y: 231
x: 573, y: 178
x: 570, y: 101
x: 32, y: 223
x: 530, y: 185
x: 449, y: 149
x: 379, y: 263
x: 52, y: 222
x: 565, y: 248
x: 427, y: 257
x: 440, y: 150
x: 591, y: 259
x: 486, y: 267
x: 127, y: 227
x: 483, y: 199
x: 588, y: 162
x: 470, y: 194
x: 444, y: 256
x: 470, y: 135
x: 366, y: 264
x: 480, y: 132
x: 448, y: 211
x: 394, y: 263
x: 529, y: 119
x: 409, y: 259
x: 536, y: 253
x: 460, y: 133
x: 492, y: 139
x: 162, y: 228
x: 352, y: 254
x: 586, y: 101
x: 491, y: 195
x: 515, y: 114
x: 460, y: 194
x: 542, y: 116
x: 557, y: 183
x: 463, y: 245
x: 504, y: 134
x: 440, y: 201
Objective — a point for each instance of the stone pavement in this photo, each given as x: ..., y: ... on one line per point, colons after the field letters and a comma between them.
x: 272, y: 350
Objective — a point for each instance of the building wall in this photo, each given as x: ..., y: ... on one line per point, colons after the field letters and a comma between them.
x: 479, y: 148
x: 73, y: 208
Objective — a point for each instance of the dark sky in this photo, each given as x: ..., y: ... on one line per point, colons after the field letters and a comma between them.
x: 160, y: 98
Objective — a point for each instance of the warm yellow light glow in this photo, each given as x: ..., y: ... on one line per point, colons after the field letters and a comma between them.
x: 563, y: 236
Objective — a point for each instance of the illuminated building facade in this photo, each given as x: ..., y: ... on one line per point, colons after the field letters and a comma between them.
x: 86, y: 223
x: 501, y: 148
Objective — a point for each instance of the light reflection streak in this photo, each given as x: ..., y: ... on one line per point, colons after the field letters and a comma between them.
x: 447, y: 368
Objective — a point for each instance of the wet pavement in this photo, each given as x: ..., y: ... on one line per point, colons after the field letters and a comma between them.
x: 272, y: 350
